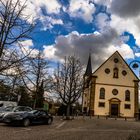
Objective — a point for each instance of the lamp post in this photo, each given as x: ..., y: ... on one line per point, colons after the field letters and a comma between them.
x: 135, y: 64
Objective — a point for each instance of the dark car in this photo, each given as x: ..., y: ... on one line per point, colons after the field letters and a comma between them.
x: 10, y: 109
x: 28, y: 118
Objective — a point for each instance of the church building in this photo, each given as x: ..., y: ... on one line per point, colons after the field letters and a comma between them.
x: 111, y: 90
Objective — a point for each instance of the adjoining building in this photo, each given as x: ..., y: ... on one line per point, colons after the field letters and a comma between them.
x: 7, y: 103
x: 112, y: 90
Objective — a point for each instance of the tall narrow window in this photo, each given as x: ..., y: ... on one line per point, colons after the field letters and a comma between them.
x: 115, y: 73
x: 127, y: 95
x: 102, y: 93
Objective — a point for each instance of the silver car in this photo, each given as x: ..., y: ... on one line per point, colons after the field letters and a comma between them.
x: 10, y: 109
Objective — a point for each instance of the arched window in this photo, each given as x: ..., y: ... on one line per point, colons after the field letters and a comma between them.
x: 115, y: 73
x: 102, y: 93
x: 127, y: 95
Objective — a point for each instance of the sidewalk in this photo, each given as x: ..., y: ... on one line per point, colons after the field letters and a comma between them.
x: 96, y: 117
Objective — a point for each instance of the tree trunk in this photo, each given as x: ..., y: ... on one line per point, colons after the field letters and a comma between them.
x: 34, y: 103
x: 68, y: 112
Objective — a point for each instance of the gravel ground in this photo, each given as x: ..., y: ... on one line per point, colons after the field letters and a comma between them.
x: 78, y: 129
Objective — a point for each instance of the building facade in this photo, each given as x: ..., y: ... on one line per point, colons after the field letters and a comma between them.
x: 112, y: 90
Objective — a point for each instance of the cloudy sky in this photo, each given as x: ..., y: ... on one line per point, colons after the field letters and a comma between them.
x: 101, y: 27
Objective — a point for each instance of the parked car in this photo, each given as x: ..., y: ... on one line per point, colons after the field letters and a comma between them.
x: 10, y: 109
x: 28, y: 118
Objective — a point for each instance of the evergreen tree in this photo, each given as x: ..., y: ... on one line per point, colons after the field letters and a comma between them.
x: 40, y: 96
x: 25, y: 99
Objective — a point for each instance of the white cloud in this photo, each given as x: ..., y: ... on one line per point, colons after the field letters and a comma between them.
x: 96, y: 33
x: 27, y: 43
x: 82, y: 9
x: 26, y: 48
x: 138, y: 40
x: 48, y: 22
x: 57, y: 21
x: 101, y: 45
x: 49, y: 52
x: 121, y: 25
x: 124, y: 50
x: 137, y: 54
x: 102, y: 21
x: 125, y: 17
x: 51, y: 71
x: 51, y: 6
x: 34, y: 10
x: 103, y: 2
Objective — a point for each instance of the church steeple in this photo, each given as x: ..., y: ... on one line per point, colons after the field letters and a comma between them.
x: 89, y: 67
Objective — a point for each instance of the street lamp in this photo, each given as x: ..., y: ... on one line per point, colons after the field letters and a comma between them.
x: 135, y: 64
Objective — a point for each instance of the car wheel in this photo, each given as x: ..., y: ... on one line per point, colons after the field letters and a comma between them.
x: 26, y: 122
x: 49, y: 121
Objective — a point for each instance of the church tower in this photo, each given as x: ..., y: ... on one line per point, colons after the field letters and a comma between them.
x: 89, y: 67
x: 86, y: 87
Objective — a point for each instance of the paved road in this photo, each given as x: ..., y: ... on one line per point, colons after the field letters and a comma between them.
x: 78, y: 129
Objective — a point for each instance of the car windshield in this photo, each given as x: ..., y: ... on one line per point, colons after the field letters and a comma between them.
x: 34, y: 111
x: 22, y: 108
x: 17, y: 108
x: 38, y: 112
x: 8, y: 108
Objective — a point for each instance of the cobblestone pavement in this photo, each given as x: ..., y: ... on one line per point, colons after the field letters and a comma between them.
x: 78, y: 129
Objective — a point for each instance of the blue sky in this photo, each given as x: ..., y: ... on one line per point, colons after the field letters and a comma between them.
x: 65, y: 27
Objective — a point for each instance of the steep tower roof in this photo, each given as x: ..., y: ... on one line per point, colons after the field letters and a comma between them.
x: 89, y: 67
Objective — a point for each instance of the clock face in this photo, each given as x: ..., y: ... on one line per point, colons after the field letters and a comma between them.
x: 114, y: 91
x: 116, y: 60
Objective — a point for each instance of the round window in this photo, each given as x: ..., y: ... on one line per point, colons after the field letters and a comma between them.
x: 124, y: 73
x: 116, y: 60
x: 115, y: 91
x: 107, y: 70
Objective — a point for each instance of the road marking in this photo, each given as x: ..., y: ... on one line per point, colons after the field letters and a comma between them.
x: 22, y: 130
x: 61, y: 124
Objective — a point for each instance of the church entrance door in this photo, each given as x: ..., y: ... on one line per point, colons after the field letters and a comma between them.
x: 114, y: 107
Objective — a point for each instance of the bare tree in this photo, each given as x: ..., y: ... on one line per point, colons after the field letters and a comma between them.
x: 14, y: 27
x: 68, y: 82
x: 34, y: 74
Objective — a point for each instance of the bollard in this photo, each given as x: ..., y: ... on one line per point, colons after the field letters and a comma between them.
x: 125, y: 119
x: 83, y: 116
x: 90, y: 116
